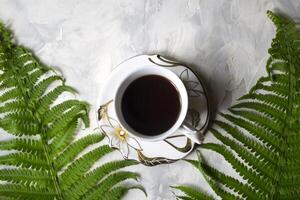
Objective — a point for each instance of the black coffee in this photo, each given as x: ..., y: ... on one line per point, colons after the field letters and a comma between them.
x: 151, y: 105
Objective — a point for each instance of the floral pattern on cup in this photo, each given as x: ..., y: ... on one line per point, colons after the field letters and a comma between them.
x: 193, y: 87
x: 118, y: 138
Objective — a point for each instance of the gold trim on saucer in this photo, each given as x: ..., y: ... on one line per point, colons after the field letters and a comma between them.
x: 187, y: 147
x: 148, y: 161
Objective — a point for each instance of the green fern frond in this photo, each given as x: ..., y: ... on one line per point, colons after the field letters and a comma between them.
x: 14, y: 106
x: 8, y: 82
x: 26, y: 115
x: 40, y: 88
x: 192, y: 193
x: 60, y: 109
x: 270, y: 99
x: 25, y: 192
x: 27, y: 160
x: 246, y: 172
x: 63, y: 138
x: 267, y: 123
x: 65, y: 119
x: 184, y: 198
x: 43, y: 160
x: 25, y: 176
x: 47, y: 100
x: 221, y: 191
x: 75, y: 148
x: 76, y: 191
x: 269, y: 110
x: 10, y: 94
x: 20, y: 128
x: 23, y: 144
x: 117, y: 192
x: 262, y: 162
x: 6, y: 36
x: 257, y: 131
x: 260, y: 135
x: 80, y: 166
x: 276, y: 88
x: 99, y: 190
x: 34, y: 77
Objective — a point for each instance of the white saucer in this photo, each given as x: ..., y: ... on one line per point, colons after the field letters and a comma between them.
x: 175, y: 147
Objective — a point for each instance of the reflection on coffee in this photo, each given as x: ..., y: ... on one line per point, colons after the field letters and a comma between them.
x: 151, y: 105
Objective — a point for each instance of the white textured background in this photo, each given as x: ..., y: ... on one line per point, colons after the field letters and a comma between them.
x: 226, y: 41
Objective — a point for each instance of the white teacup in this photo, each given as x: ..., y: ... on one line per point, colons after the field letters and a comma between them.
x: 179, y: 125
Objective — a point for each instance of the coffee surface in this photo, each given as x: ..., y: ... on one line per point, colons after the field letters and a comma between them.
x: 151, y: 105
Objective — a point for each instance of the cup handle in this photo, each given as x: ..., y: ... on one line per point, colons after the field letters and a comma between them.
x: 191, y: 132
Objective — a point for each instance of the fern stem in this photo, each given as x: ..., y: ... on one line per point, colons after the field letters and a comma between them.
x: 288, y: 120
x: 52, y: 170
